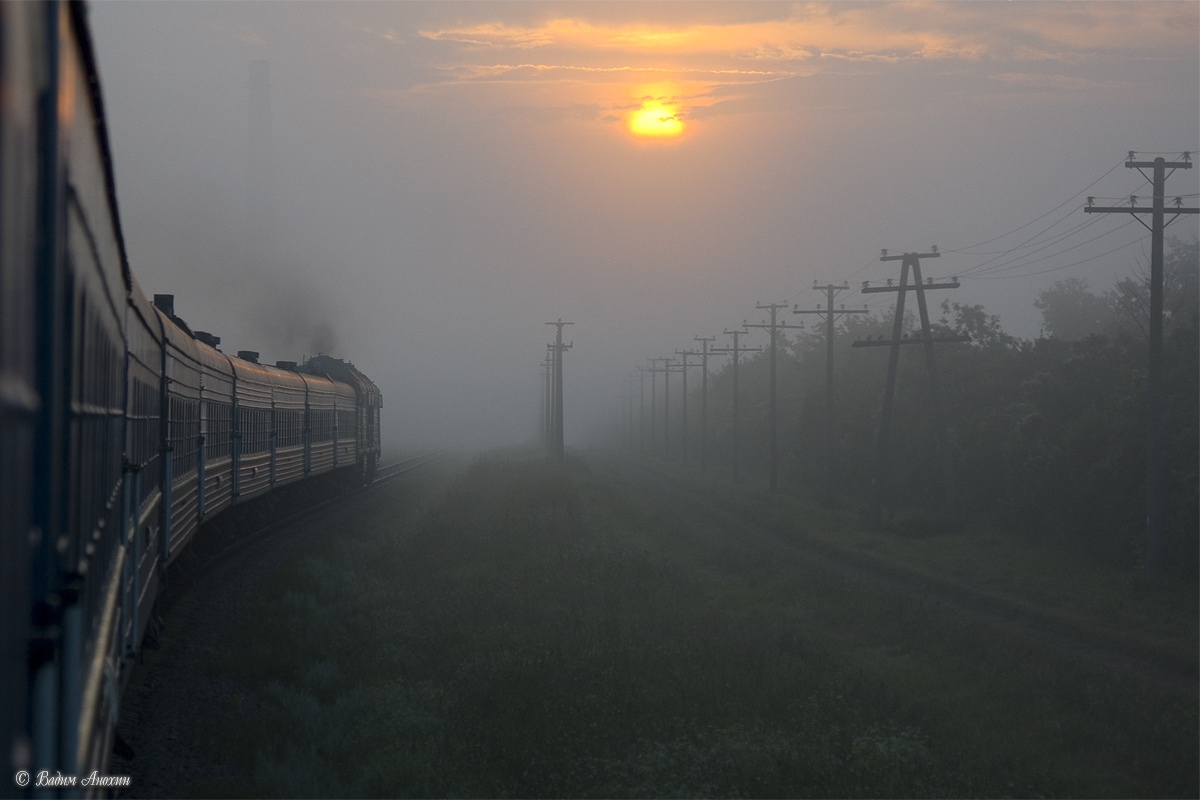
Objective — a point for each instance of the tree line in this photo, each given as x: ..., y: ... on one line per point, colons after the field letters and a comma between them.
x: 1047, y: 434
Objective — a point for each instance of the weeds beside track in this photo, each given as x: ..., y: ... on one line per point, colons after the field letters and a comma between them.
x: 537, y: 629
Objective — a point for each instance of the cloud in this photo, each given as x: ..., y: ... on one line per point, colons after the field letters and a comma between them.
x: 725, y: 53
x: 809, y: 30
x: 1062, y: 83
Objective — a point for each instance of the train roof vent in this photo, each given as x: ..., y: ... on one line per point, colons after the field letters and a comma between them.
x: 290, y: 366
x: 165, y: 303
x: 248, y: 355
x: 208, y: 338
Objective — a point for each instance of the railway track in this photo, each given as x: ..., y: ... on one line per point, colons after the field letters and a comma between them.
x: 398, y: 468
x: 206, y: 557
x: 1127, y: 654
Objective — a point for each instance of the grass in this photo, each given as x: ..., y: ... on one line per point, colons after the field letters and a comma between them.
x: 1005, y: 563
x: 528, y: 629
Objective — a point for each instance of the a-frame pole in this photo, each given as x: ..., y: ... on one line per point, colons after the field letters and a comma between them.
x: 939, y: 411
x: 889, y: 393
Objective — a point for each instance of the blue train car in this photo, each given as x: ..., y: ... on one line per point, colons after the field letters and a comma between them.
x: 121, y: 431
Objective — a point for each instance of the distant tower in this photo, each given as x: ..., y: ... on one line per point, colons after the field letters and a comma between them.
x: 260, y: 195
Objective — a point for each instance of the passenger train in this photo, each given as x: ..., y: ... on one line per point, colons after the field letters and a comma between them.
x: 122, y: 431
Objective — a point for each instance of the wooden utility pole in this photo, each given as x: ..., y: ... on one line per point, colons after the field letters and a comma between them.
x: 911, y: 261
x: 641, y: 374
x: 548, y: 401
x: 559, y: 348
x: 830, y: 409
x: 1156, y: 469
x: 654, y: 400
x: 772, y: 415
x: 683, y: 357
x: 736, y: 352
x: 630, y: 437
x: 704, y: 399
x: 668, y: 367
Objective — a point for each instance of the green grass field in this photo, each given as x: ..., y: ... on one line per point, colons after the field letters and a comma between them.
x: 527, y: 629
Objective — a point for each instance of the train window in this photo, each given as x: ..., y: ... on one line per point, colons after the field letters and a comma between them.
x: 251, y: 424
x: 184, y: 433
x: 220, y: 419
x: 322, y: 426
x: 289, y: 428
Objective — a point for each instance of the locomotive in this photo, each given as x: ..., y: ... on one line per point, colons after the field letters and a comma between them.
x: 121, y: 430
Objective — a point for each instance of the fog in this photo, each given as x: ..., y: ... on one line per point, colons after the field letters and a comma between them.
x: 446, y: 178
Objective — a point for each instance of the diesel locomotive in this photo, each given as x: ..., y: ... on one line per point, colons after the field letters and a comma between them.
x: 122, y: 432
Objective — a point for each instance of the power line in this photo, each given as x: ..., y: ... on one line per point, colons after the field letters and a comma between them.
x: 962, y: 250
x: 1058, y: 237
x: 1020, y: 261
x: 1027, y: 243
x: 1059, y: 269
x: 1062, y: 266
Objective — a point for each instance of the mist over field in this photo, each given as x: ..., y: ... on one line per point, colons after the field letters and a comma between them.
x: 839, y: 567
x: 447, y: 177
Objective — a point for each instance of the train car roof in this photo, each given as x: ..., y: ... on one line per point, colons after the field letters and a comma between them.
x: 78, y: 14
x: 344, y: 371
x: 262, y: 373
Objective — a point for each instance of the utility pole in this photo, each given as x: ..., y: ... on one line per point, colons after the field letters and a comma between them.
x: 911, y: 261
x: 1156, y: 469
x: 654, y: 400
x: 667, y: 368
x: 548, y: 419
x: 545, y: 425
x: 641, y: 373
x: 631, y: 430
x: 830, y: 409
x: 683, y: 357
x: 736, y: 351
x: 704, y: 340
x: 559, y: 349
x: 772, y: 416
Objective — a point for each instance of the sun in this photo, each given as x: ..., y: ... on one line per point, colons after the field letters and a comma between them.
x: 655, y: 119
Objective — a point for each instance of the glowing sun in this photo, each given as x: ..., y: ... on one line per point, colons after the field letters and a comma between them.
x: 655, y: 119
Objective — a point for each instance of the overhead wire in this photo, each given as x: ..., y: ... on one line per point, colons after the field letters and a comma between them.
x: 1020, y: 263
x: 1125, y: 246
x: 1057, y: 237
x: 994, y: 268
x: 1020, y: 260
x: 964, y: 248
